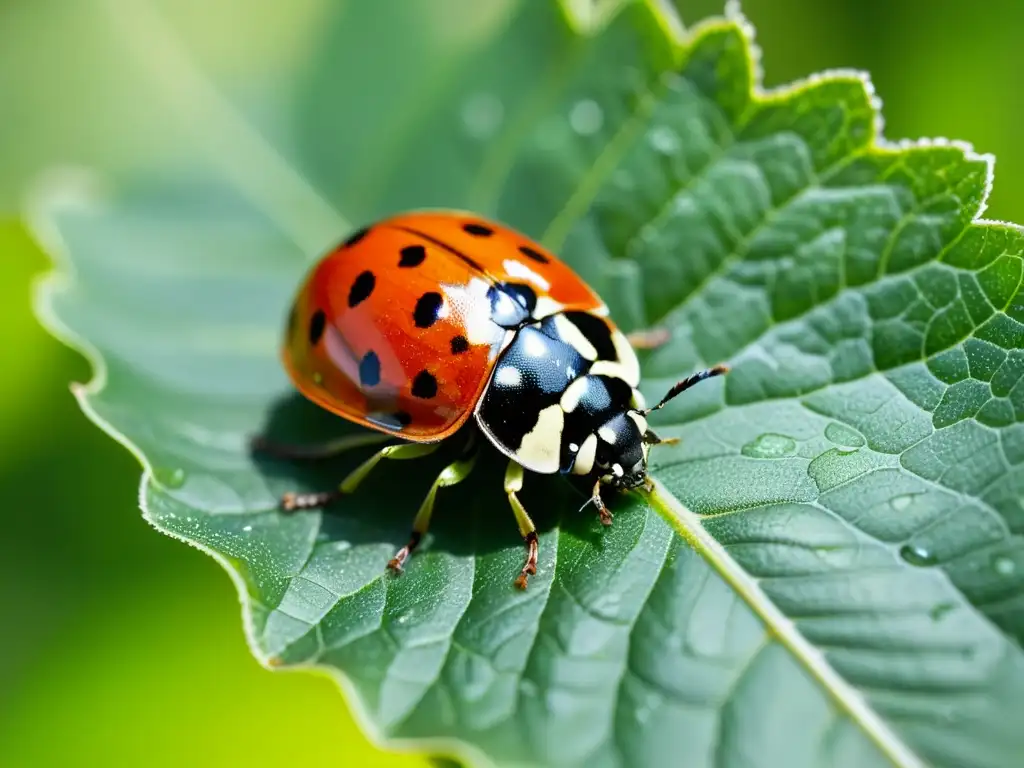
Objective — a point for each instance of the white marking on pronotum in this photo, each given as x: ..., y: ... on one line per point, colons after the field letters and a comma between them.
x: 612, y: 369
x: 627, y: 357
x: 508, y: 376
x: 607, y: 434
x: 520, y: 270
x: 638, y: 401
x: 534, y: 346
x: 585, y: 457
x: 573, y: 336
x: 639, y: 420
x: 540, y: 448
x: 626, y: 367
x: 573, y: 394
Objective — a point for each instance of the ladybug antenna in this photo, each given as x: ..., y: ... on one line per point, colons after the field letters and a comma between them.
x: 681, y: 386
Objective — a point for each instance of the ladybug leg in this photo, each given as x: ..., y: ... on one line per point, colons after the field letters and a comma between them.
x: 648, y: 338
x: 603, y: 512
x: 403, y: 451
x: 291, y: 502
x: 325, y: 450
x: 454, y: 473
x: 513, y: 484
x: 651, y: 438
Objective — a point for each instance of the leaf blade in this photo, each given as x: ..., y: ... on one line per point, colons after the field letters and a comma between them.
x: 311, y: 600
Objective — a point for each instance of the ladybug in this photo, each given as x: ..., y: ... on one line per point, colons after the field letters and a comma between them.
x: 430, y: 321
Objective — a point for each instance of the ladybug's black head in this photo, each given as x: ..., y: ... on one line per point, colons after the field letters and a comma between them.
x: 621, y: 458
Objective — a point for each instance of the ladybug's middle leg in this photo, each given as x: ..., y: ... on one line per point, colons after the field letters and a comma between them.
x: 294, y: 501
x: 513, y: 484
x: 454, y: 473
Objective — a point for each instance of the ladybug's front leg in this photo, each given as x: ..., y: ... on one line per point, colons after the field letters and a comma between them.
x: 513, y: 484
x: 603, y: 512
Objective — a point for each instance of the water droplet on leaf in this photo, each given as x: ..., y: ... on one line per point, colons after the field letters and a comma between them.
x: 168, y: 477
x: 840, y: 434
x: 586, y: 117
x: 1004, y: 565
x: 915, y: 554
x: 770, y: 446
x: 899, y: 503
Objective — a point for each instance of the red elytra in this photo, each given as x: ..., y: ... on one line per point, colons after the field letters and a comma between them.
x: 392, y: 329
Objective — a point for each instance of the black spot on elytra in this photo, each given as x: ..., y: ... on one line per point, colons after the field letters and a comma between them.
x: 412, y: 256
x: 479, y: 230
x: 533, y: 254
x: 317, y: 323
x: 394, y: 421
x: 356, y: 236
x: 459, y: 344
x: 361, y: 288
x: 369, y: 369
x: 424, y: 386
x: 427, y: 307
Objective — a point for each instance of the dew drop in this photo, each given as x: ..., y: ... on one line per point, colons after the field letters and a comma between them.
x: 246, y: 529
x: 664, y: 140
x: 169, y: 477
x: 899, y: 503
x: 1003, y: 565
x: 770, y: 446
x: 840, y: 434
x: 481, y: 115
x: 917, y: 555
x: 586, y: 117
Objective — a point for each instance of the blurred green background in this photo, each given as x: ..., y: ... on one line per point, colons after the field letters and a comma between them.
x: 117, y: 642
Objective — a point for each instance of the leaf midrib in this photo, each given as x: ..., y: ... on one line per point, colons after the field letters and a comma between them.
x: 689, y: 527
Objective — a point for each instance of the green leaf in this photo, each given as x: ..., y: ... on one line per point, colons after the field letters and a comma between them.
x: 830, y: 570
